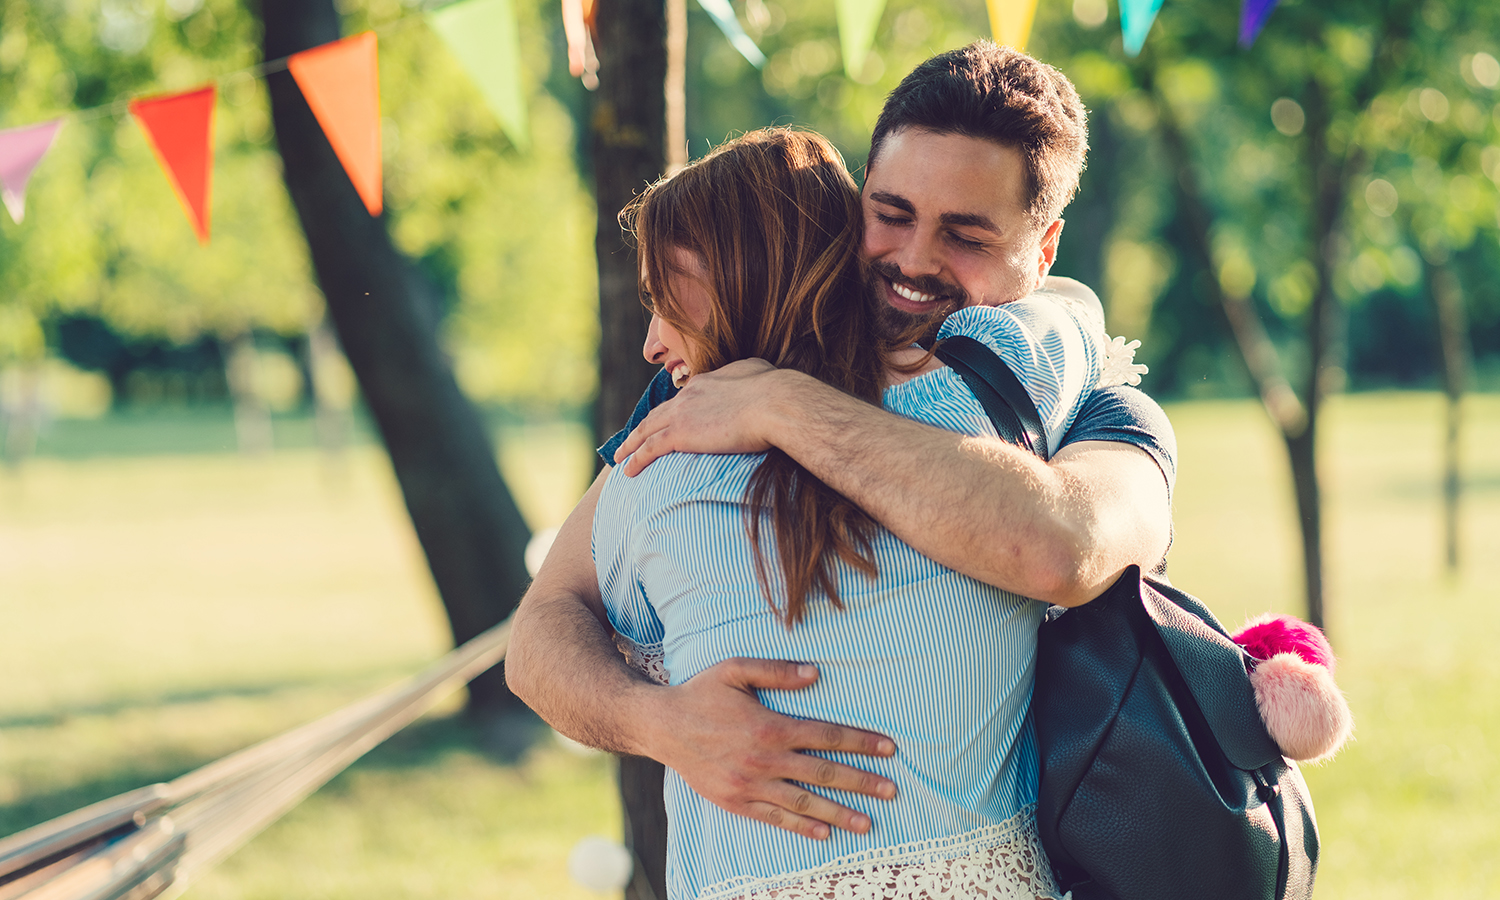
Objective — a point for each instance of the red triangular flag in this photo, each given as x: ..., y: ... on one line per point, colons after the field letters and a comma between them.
x: 180, y: 129
x: 342, y: 86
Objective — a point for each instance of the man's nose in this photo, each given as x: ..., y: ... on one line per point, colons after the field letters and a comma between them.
x: 653, y: 350
x: 918, y: 255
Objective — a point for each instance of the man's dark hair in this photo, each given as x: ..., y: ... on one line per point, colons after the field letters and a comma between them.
x: 1001, y: 95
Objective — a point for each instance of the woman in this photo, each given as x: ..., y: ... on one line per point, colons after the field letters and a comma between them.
x: 753, y: 252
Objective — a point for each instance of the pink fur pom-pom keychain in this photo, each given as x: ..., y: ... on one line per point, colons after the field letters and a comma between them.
x: 1303, y: 708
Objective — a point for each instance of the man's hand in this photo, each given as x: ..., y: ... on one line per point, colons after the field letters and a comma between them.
x: 745, y: 758
x: 711, y: 729
x: 713, y: 413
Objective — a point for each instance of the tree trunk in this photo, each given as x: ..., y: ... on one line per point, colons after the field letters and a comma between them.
x: 676, y: 86
x: 629, y: 121
x: 386, y: 317
x: 252, y: 421
x: 1453, y: 334
x: 641, y: 786
x: 21, y: 415
x: 331, y: 415
x: 1294, y: 417
x: 629, y: 144
x: 1301, y: 451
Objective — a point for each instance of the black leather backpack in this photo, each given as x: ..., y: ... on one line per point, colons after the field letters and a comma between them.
x: 1158, y: 779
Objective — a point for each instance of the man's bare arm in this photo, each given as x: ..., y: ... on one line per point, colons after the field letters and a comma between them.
x: 712, y: 730
x: 1059, y: 531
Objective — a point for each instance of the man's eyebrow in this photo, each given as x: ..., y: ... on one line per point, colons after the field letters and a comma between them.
x: 890, y: 199
x: 965, y: 220
x: 971, y: 220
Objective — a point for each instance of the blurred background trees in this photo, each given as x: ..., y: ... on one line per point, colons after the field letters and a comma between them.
x: 1314, y: 213
x: 103, y: 274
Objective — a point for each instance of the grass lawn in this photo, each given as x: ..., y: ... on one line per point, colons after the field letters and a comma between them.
x: 158, y: 611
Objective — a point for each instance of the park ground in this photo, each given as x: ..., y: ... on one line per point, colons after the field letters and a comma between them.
x: 165, y: 601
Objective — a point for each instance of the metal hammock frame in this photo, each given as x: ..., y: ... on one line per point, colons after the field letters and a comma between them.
x: 154, y: 841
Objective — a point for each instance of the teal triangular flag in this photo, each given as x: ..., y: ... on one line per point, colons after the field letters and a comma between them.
x: 483, y: 35
x: 857, y: 22
x: 1136, y: 17
x: 723, y: 15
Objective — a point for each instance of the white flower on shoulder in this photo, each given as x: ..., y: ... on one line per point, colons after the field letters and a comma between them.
x: 1120, y: 366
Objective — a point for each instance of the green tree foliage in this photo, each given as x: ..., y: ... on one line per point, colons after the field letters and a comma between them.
x: 508, y: 236
x: 505, y: 235
x: 1227, y: 185
x: 104, y: 234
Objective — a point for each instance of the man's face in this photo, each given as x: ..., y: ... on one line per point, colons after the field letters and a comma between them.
x: 946, y: 225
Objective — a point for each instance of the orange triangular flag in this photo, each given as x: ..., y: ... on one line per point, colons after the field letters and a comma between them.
x: 180, y: 129
x: 341, y: 85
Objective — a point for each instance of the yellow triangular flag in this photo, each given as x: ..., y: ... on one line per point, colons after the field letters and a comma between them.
x: 858, y: 20
x: 1010, y: 20
x: 483, y: 35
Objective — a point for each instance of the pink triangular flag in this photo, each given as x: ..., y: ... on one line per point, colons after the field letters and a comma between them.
x: 20, y: 150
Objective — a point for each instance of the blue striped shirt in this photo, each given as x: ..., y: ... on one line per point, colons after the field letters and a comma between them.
x: 939, y: 662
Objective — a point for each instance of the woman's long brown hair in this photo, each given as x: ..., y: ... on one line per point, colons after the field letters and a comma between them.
x: 775, y: 219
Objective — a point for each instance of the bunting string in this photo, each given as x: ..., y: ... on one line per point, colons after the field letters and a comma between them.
x: 341, y: 85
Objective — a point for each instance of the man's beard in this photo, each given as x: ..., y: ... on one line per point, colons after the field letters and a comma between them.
x: 921, y: 327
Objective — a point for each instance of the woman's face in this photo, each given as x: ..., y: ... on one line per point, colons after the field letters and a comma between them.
x: 665, y: 345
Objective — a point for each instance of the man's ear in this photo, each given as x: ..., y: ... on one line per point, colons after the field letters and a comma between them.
x: 1047, y: 251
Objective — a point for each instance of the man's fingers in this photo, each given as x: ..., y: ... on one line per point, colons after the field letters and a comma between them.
x: 766, y: 674
x: 654, y: 422
x: 632, y: 442
x: 827, y: 736
x: 783, y: 818
x: 826, y: 773
x: 799, y: 801
x: 647, y: 451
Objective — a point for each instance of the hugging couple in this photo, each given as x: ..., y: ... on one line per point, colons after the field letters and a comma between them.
x: 811, y: 581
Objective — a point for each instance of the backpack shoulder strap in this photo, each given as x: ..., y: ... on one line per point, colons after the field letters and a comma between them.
x: 998, y: 390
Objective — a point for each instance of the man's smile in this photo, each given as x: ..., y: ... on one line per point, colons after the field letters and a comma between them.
x: 913, y: 296
x: 918, y: 295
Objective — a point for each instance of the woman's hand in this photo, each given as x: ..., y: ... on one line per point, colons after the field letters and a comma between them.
x: 749, y: 761
x: 713, y: 413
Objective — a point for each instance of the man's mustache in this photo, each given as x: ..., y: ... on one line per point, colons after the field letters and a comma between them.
x: 925, y: 284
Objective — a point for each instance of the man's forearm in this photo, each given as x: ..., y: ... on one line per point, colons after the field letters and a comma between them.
x: 563, y: 664
x: 712, y: 730
x: 562, y: 660
x: 1058, y: 532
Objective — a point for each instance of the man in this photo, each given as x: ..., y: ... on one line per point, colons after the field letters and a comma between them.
x: 972, y: 161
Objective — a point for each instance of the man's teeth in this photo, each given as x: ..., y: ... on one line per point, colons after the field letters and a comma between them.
x: 913, y: 296
x: 680, y: 374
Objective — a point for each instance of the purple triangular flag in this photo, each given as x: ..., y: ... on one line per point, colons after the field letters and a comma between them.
x: 1253, y: 16
x: 20, y: 150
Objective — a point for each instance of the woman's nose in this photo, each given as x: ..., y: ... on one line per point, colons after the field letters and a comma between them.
x: 654, y: 350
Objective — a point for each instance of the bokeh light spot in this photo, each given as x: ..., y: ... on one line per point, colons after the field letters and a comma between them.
x: 1486, y: 69
x: 1090, y: 13
x: 1381, y: 197
x: 1434, y: 104
x: 1288, y: 117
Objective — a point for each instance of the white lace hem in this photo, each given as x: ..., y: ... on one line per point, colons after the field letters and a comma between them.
x: 648, y: 659
x: 997, y: 862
